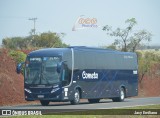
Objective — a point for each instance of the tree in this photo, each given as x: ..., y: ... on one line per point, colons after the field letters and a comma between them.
x: 135, y: 40
x: 43, y: 40
x: 126, y: 40
x: 144, y: 65
x: 13, y: 43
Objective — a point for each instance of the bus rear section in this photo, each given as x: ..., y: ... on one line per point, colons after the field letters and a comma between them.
x: 101, y: 73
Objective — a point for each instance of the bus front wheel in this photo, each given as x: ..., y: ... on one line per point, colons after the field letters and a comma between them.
x: 76, y: 97
x: 44, y: 102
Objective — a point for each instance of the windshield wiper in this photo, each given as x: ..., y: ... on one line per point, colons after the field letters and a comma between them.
x: 35, y: 78
x: 42, y: 75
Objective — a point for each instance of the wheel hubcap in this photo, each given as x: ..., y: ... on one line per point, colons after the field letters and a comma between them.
x: 122, y: 94
x: 76, y: 96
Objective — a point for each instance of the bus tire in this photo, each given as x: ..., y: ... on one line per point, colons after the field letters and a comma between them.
x: 93, y: 100
x: 121, y: 96
x: 76, y: 98
x: 44, y: 102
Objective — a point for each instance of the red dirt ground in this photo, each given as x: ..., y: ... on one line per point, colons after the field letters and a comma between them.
x: 150, y: 85
x: 11, y: 84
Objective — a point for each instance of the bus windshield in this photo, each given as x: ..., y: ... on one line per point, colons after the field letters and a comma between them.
x: 42, y: 70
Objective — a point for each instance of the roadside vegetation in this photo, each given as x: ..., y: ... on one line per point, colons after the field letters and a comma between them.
x: 147, y: 61
x: 33, y: 42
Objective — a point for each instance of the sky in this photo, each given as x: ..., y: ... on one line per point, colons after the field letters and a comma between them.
x: 60, y: 15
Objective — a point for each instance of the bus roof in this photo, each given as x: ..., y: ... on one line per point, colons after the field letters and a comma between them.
x: 84, y: 48
x: 60, y: 51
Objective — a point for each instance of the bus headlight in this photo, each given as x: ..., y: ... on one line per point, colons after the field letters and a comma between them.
x: 27, y: 90
x: 54, y: 90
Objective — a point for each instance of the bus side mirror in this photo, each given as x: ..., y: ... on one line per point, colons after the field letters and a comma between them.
x: 19, y: 67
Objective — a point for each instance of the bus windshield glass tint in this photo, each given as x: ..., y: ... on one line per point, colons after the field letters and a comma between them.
x: 42, y: 70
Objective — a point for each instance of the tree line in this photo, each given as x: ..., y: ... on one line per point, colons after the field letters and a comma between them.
x: 43, y: 40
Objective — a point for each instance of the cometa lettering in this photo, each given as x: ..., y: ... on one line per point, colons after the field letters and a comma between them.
x: 89, y: 75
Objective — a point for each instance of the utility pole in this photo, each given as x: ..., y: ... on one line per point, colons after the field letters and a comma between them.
x: 34, y: 27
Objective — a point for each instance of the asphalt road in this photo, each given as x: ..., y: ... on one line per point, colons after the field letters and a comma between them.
x: 104, y: 104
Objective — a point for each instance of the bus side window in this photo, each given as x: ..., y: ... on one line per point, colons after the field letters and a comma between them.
x: 66, y: 75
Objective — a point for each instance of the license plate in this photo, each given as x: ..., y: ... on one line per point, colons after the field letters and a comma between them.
x: 40, y: 96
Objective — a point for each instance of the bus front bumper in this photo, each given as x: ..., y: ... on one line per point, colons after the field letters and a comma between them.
x: 56, y: 96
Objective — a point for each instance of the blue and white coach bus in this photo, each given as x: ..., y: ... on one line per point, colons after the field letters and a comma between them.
x: 74, y: 73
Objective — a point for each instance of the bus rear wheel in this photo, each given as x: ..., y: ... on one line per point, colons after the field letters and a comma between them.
x: 76, y: 98
x: 93, y: 100
x: 121, y: 96
x: 44, y: 102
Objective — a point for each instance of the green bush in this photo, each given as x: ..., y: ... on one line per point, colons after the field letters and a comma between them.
x: 146, y: 59
x: 18, y: 56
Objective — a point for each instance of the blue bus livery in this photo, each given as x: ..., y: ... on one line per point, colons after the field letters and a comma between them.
x: 74, y: 73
